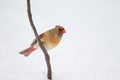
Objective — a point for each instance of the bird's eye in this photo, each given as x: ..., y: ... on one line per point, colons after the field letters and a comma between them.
x: 60, y: 29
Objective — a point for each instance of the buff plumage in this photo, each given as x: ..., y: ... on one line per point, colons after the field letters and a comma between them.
x: 49, y: 39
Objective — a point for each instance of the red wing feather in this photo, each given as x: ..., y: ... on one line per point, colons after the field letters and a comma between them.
x: 35, y: 40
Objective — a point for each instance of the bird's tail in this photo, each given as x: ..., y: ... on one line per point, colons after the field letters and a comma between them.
x: 28, y: 51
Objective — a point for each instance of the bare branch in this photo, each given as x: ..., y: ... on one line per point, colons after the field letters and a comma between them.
x: 47, y: 58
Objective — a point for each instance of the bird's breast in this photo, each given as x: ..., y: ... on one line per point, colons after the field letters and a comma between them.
x: 49, y: 41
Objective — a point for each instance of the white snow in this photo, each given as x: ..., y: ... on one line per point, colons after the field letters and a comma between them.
x: 90, y: 50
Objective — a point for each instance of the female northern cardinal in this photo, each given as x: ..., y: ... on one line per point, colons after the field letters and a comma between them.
x: 49, y: 39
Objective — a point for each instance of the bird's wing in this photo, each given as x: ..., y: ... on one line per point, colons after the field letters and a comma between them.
x: 35, y: 40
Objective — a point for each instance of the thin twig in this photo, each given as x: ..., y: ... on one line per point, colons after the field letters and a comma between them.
x: 49, y: 74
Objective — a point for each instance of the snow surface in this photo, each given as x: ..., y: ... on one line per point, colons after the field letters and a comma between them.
x: 90, y: 50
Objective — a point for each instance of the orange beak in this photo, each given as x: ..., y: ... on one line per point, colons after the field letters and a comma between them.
x: 63, y: 31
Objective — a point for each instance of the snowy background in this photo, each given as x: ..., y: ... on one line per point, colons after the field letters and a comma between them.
x: 90, y: 50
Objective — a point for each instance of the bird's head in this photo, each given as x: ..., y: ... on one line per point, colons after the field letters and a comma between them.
x: 57, y: 31
x: 60, y: 29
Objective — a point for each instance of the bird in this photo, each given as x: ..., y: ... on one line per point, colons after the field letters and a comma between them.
x: 50, y: 39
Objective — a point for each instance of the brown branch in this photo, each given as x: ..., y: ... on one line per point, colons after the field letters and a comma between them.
x: 49, y: 74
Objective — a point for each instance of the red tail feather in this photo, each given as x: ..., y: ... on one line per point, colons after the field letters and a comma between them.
x: 27, y: 51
